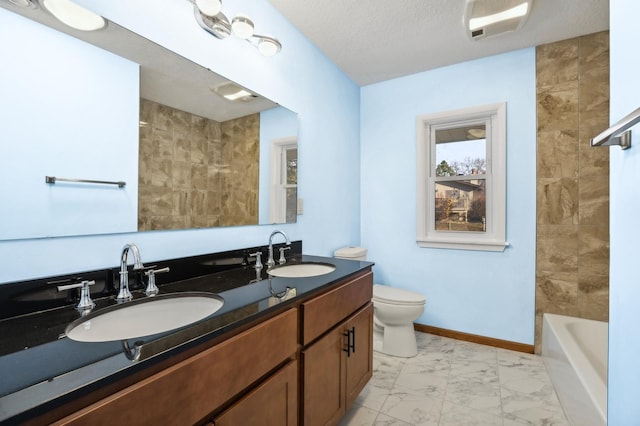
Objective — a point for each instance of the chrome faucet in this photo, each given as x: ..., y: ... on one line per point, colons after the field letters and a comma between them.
x: 85, y: 304
x: 124, y: 295
x: 270, y: 261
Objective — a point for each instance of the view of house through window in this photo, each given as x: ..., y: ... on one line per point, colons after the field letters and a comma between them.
x: 461, y: 185
x: 460, y: 167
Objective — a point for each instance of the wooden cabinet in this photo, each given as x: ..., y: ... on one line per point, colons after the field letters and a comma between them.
x: 273, y: 403
x: 323, y: 378
x: 360, y: 362
x: 187, y: 392
x: 337, y: 366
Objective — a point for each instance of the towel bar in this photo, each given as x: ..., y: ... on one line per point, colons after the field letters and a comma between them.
x: 618, y: 134
x: 53, y: 180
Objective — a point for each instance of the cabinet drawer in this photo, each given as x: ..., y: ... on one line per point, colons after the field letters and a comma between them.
x: 323, y: 312
x: 190, y: 390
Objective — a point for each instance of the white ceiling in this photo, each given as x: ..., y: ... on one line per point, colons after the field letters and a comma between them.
x: 377, y: 40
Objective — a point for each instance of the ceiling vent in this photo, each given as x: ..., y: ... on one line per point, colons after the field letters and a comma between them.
x: 233, y: 92
x: 488, y: 18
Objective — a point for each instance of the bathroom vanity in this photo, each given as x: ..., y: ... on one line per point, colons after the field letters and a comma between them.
x: 282, y: 351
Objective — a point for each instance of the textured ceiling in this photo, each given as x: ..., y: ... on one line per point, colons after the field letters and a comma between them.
x: 376, y: 40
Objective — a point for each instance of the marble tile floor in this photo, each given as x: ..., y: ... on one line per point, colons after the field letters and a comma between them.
x: 456, y: 383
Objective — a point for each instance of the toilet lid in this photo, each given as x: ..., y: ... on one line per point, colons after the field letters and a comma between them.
x: 398, y: 296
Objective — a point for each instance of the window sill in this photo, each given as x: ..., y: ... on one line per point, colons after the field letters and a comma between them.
x: 486, y: 245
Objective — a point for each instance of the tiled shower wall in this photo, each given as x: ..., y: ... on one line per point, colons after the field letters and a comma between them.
x: 572, y: 255
x: 195, y: 172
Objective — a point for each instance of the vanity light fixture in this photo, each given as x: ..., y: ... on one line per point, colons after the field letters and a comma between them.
x: 486, y: 18
x: 213, y: 21
x: 74, y: 15
x: 268, y: 46
x: 242, y: 26
x: 209, y: 7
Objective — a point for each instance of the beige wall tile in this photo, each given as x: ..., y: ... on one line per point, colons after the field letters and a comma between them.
x: 594, y: 200
x: 557, y: 248
x: 558, y: 292
x: 557, y: 154
x: 594, y: 99
x: 181, y: 175
x: 182, y: 148
x: 181, y: 203
x: 593, y: 250
x: 572, y: 255
x: 557, y: 62
x: 594, y: 51
x: 593, y: 296
x: 161, y: 173
x: 557, y: 201
x: 558, y: 107
x: 594, y: 161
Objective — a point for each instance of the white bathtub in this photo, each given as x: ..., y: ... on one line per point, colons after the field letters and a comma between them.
x: 575, y: 352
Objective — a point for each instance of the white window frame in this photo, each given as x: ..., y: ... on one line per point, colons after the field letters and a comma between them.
x: 493, y: 239
x: 278, y: 173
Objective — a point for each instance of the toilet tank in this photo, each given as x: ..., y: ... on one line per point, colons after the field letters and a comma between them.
x: 351, y: 253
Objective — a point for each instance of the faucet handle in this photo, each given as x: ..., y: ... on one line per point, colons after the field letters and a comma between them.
x: 282, y: 259
x: 152, y: 289
x: 258, y: 256
x: 85, y: 303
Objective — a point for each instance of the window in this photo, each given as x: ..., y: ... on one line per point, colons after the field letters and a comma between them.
x: 461, y: 178
x: 284, y: 181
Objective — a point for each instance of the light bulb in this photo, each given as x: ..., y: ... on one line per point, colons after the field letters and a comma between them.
x: 74, y: 15
x: 268, y: 46
x: 242, y: 26
x: 209, y: 7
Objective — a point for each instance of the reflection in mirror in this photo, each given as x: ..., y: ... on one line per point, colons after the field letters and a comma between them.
x: 77, y: 111
x: 283, y: 200
x: 460, y: 183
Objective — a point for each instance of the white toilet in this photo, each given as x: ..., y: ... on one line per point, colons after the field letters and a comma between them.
x: 394, y: 311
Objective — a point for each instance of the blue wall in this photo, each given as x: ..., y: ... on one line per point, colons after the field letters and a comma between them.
x: 300, y: 78
x: 624, y: 287
x: 489, y: 294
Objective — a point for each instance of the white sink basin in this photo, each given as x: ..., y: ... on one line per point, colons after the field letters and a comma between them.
x: 302, y: 270
x: 144, y: 317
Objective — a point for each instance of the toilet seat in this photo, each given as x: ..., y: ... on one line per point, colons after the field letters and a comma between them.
x: 396, y: 296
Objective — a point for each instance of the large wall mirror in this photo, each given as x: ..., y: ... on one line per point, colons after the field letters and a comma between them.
x: 193, y: 150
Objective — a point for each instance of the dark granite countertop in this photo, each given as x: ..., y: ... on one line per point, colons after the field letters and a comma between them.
x: 42, y: 369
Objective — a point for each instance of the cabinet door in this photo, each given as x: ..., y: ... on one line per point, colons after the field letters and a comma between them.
x: 360, y: 361
x: 324, y: 379
x: 273, y: 403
